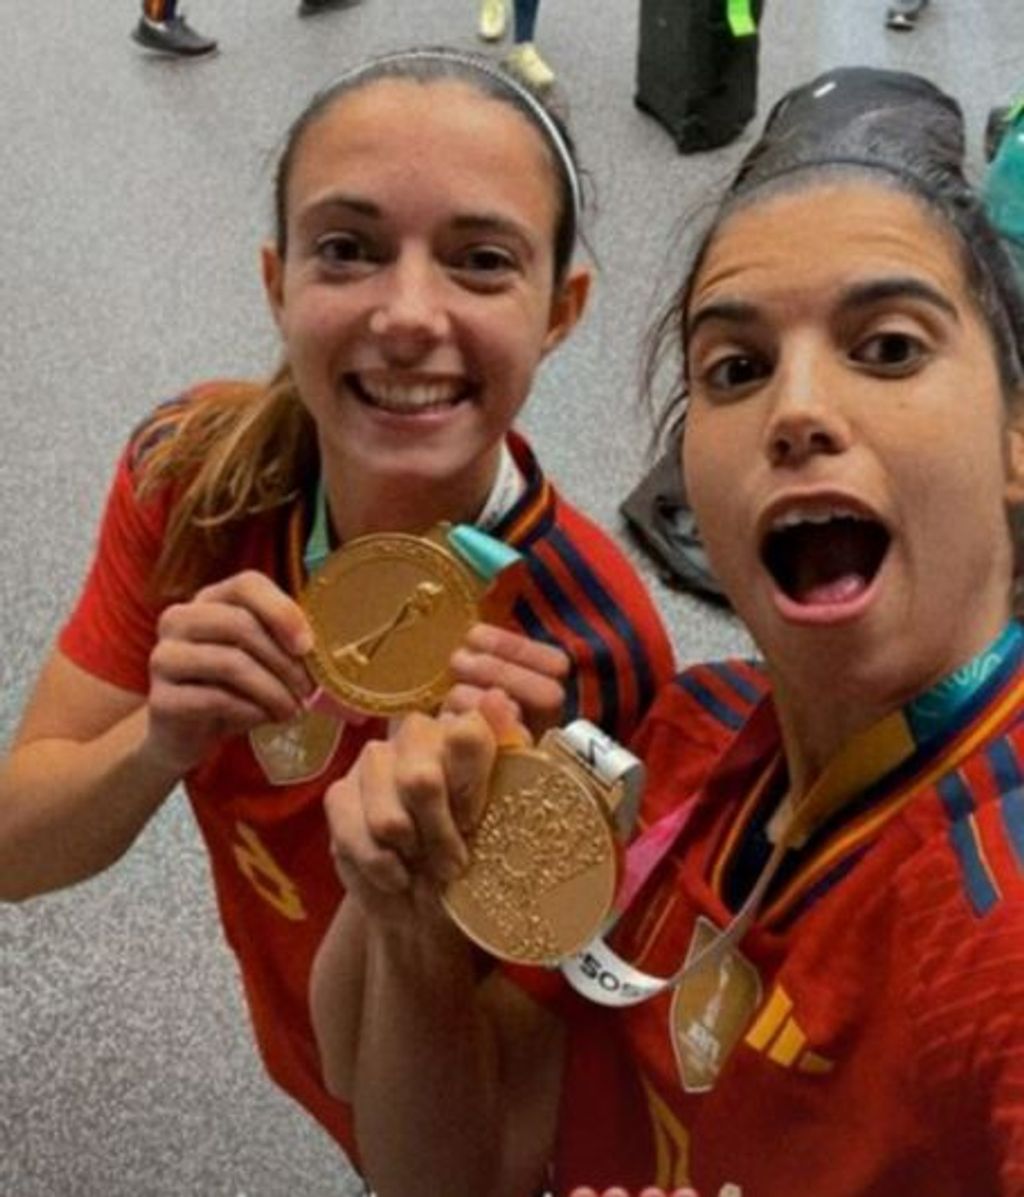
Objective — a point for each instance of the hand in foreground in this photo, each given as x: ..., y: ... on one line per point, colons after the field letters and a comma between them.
x: 225, y: 662
x: 650, y: 1191
x: 531, y: 673
x: 398, y: 818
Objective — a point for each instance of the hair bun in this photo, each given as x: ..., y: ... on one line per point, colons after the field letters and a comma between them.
x: 865, y: 116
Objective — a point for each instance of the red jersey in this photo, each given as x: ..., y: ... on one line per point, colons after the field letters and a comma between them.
x: 866, y: 1036
x: 276, y: 886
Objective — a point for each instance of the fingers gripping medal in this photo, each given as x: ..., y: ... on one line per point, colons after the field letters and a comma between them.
x: 388, y: 611
x: 545, y: 854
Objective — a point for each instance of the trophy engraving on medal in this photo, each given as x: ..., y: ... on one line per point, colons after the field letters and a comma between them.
x: 387, y: 613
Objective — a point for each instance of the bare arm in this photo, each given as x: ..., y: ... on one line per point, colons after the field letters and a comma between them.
x: 91, y: 762
x: 77, y: 787
x: 455, y: 1084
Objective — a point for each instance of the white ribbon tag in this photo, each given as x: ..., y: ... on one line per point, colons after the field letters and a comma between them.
x: 604, y: 977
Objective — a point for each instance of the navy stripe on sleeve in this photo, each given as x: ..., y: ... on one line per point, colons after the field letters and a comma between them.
x: 710, y: 702
x: 612, y: 613
x: 727, y: 672
x: 571, y: 616
x: 531, y: 624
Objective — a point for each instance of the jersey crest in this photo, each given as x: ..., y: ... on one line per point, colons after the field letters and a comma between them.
x: 711, y: 1008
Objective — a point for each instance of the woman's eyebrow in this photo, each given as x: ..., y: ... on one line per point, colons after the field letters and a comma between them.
x: 732, y: 311
x: 345, y: 202
x: 861, y: 295
x: 488, y: 222
x: 858, y: 295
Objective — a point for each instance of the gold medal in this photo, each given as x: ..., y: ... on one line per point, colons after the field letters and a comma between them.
x: 387, y: 612
x: 544, y: 857
x: 298, y: 749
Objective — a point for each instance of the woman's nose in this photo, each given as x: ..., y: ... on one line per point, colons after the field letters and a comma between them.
x: 411, y: 314
x: 807, y: 417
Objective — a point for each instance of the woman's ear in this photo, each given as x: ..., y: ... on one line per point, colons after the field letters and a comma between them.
x: 272, y: 269
x: 1015, y: 450
x: 567, y: 306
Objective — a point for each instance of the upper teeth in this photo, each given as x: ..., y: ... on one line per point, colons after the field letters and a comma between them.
x: 410, y: 394
x: 817, y: 514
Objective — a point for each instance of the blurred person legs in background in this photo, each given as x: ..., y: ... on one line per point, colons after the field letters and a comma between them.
x: 163, y: 29
x: 523, y: 58
x: 903, y: 14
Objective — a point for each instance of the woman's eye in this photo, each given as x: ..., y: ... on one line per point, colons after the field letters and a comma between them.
x: 342, y: 249
x: 892, y: 352
x: 486, y: 260
x: 736, y: 371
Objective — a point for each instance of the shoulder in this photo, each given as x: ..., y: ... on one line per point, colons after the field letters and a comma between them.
x: 959, y: 910
x: 712, y: 700
x: 971, y: 819
x: 695, y: 718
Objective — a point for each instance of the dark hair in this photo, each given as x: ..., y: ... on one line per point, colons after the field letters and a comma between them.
x: 428, y: 65
x: 903, y: 131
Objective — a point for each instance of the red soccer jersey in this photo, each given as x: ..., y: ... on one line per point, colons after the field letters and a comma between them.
x: 276, y: 886
x: 866, y: 1038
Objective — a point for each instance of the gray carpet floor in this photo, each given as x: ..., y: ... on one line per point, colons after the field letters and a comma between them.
x: 134, y: 193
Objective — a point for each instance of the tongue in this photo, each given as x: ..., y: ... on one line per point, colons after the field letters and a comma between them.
x: 832, y: 563
x: 840, y: 590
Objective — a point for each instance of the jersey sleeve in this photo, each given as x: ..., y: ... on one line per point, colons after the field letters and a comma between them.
x: 585, y: 596
x: 965, y: 1002
x: 111, y: 631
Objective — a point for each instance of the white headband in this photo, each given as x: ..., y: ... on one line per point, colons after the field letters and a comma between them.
x: 484, y: 67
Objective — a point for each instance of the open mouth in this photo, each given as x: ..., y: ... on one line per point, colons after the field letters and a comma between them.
x: 408, y: 397
x: 824, y: 556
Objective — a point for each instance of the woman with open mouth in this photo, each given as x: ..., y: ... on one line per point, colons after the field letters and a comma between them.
x: 427, y: 208
x: 813, y: 978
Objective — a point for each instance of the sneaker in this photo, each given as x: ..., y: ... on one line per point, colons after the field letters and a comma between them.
x: 903, y: 14
x: 173, y: 36
x: 310, y: 8
x: 493, y: 20
x: 528, y: 65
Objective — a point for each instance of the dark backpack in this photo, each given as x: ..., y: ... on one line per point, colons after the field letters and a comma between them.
x: 697, y: 68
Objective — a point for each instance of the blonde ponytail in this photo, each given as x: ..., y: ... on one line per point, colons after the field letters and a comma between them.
x: 229, y: 451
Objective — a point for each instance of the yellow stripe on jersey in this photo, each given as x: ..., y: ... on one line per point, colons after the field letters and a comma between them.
x: 772, y: 1017
x: 788, y: 1045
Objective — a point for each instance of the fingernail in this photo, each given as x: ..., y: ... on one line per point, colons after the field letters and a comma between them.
x: 462, y: 658
x: 452, y: 867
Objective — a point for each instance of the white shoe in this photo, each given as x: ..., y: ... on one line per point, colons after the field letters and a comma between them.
x: 529, y: 65
x: 493, y: 20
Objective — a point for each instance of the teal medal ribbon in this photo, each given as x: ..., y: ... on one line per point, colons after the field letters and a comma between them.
x: 934, y: 710
x: 484, y: 554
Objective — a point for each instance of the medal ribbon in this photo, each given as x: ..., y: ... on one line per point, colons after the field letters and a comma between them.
x: 600, y: 974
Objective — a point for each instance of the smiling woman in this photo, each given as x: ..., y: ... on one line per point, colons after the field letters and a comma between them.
x: 422, y: 267
x: 813, y: 982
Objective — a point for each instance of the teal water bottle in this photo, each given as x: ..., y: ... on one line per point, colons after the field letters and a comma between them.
x: 1003, y: 189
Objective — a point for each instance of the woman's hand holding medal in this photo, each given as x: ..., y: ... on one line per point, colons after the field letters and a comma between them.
x: 398, y: 820
x: 531, y: 673
x: 225, y: 662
